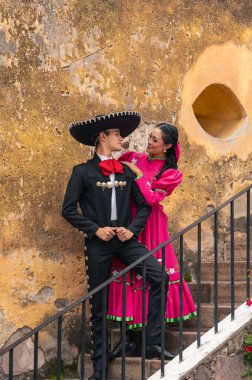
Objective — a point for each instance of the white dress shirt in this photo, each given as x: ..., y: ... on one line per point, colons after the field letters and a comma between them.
x: 113, y: 198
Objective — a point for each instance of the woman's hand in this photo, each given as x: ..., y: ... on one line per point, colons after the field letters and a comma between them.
x: 133, y: 167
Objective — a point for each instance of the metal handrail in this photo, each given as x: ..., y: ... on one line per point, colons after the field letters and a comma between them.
x: 58, y: 316
x: 124, y: 271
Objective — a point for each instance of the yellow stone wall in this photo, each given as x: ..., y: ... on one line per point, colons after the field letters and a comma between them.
x: 64, y: 61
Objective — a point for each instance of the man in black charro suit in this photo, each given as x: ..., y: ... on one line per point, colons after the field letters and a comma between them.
x: 103, y: 188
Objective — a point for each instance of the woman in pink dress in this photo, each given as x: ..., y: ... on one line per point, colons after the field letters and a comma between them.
x: 157, y: 176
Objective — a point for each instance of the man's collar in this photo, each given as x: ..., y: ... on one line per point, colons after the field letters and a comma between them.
x: 102, y: 158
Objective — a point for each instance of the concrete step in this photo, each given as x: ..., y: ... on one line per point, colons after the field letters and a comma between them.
x: 171, y: 339
x: 133, y: 368
x: 224, y: 297
x: 207, y: 316
x: 206, y: 291
x: 207, y: 271
x: 224, y: 292
x: 240, y: 251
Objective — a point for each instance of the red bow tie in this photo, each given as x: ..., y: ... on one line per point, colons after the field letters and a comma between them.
x: 110, y: 166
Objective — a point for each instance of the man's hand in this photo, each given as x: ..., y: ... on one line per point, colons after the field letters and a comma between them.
x: 105, y: 233
x: 123, y: 234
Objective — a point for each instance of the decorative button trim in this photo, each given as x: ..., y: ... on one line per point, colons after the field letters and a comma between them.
x: 109, y: 184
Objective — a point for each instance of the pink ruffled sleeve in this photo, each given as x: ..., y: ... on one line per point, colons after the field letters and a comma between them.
x: 160, y: 188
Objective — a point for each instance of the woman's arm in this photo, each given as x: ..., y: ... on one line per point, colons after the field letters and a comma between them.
x: 151, y: 196
x: 161, y: 187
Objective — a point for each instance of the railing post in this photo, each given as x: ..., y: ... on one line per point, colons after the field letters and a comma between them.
x: 123, y: 377
x: 216, y: 264
x: 199, y: 286
x: 232, y: 258
x: 59, y: 338
x: 181, y: 263
x: 163, y: 314
x: 143, y: 348
x: 11, y: 364
x: 248, y: 244
x: 104, y: 331
x: 35, y: 374
x: 83, y: 340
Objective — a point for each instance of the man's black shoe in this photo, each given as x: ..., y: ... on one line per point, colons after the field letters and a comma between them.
x: 97, y: 375
x: 153, y: 351
x: 130, y: 348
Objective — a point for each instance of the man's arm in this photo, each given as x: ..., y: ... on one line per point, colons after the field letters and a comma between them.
x: 143, y: 210
x: 74, y: 191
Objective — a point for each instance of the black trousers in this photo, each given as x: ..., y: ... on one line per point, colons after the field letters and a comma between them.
x: 100, y: 255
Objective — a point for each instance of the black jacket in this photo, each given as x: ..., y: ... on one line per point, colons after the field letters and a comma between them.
x: 95, y: 201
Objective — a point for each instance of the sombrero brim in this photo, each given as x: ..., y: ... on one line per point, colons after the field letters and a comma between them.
x: 86, y: 132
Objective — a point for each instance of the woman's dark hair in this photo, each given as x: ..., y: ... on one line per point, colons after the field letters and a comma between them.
x: 170, y: 136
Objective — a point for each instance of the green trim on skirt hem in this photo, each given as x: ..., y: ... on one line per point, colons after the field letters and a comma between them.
x: 139, y: 325
x: 188, y: 316
x: 118, y: 319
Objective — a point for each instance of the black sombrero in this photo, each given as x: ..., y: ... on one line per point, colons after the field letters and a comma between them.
x: 86, y: 132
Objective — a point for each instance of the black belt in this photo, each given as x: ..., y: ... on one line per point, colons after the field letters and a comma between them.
x: 113, y: 223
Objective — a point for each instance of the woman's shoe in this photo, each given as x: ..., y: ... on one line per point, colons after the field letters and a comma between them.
x: 130, y: 346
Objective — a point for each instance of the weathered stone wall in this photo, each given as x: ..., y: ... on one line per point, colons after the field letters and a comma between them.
x: 226, y: 363
x: 64, y: 61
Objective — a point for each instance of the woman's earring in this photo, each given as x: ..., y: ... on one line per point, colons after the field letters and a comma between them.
x: 164, y: 150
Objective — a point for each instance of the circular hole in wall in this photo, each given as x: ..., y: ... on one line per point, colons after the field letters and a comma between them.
x: 219, y: 112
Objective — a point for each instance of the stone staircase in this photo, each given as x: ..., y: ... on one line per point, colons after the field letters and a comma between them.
x: 133, y: 365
